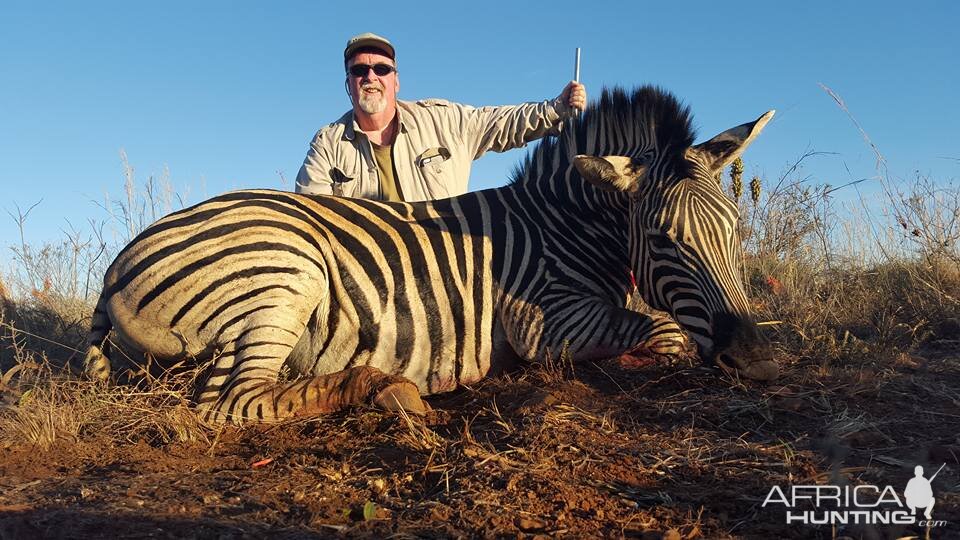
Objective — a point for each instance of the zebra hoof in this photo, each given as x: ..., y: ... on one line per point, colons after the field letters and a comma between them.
x: 655, y: 350
x: 401, y: 396
x: 668, y: 346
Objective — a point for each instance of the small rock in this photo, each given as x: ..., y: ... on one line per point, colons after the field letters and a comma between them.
x: 538, y: 399
x: 530, y: 525
x: 672, y: 534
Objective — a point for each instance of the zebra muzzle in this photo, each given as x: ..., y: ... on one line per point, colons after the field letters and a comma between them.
x: 756, y: 370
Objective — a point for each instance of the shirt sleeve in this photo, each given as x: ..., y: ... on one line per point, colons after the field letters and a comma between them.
x: 314, y: 176
x: 510, y: 126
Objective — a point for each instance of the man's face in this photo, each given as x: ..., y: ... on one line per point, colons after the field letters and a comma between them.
x: 370, y: 92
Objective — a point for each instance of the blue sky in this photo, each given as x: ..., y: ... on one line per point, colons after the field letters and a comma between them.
x: 226, y: 94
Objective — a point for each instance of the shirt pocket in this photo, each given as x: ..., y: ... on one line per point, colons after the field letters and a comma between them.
x: 343, y: 180
x: 435, y: 168
x: 433, y: 160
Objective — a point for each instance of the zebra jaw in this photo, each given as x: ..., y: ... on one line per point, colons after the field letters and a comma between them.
x: 611, y: 173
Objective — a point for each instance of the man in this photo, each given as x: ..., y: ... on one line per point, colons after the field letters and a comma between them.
x: 919, y: 493
x: 414, y: 151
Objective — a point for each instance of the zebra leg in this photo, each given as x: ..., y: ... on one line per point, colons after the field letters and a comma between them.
x: 361, y: 385
x: 592, y: 329
x: 664, y: 337
x: 266, y: 400
x: 242, y: 384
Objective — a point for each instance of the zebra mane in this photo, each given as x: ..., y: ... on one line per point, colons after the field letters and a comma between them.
x: 617, y: 124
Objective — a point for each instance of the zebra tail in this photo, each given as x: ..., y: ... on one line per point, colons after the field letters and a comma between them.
x: 96, y: 365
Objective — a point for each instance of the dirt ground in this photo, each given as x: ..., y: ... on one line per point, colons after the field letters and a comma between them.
x: 623, y: 448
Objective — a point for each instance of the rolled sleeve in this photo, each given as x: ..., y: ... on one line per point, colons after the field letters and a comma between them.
x: 510, y: 126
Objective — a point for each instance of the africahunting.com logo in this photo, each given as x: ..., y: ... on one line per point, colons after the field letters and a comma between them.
x: 858, y: 505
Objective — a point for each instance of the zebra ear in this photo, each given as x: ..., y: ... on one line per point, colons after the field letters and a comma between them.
x: 611, y: 173
x: 721, y: 150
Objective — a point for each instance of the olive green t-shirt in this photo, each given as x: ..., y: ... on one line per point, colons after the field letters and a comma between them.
x: 389, y: 190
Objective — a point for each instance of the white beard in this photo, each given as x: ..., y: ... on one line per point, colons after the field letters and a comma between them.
x: 372, y: 103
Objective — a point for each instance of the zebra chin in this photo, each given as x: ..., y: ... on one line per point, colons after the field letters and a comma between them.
x: 740, y: 349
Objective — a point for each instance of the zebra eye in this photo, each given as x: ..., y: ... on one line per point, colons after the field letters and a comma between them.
x: 659, y: 241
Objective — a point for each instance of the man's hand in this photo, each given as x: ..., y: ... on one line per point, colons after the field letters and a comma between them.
x: 574, y: 96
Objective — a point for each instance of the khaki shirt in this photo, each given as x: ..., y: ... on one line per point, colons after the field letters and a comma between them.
x: 433, y: 150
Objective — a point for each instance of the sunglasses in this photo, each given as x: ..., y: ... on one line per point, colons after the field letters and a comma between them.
x: 381, y: 70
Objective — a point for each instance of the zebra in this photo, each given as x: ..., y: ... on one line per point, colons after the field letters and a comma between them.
x: 376, y: 303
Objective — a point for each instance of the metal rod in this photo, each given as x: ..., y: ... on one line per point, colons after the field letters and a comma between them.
x: 576, y: 68
x: 576, y: 73
x: 936, y: 473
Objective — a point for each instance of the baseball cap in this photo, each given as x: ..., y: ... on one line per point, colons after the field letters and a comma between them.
x: 368, y: 39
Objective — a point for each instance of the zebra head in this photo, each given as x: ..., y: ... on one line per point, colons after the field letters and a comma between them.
x: 684, y: 245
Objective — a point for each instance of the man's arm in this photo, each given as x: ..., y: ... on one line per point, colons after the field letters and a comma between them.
x: 512, y: 126
x: 314, y: 176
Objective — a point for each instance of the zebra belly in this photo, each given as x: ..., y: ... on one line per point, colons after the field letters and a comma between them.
x: 435, y: 365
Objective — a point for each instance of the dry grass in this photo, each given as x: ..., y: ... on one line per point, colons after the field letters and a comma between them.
x: 857, y: 314
x: 43, y: 408
x: 608, y: 452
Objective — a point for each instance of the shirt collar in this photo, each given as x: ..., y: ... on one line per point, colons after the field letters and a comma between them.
x: 351, y: 127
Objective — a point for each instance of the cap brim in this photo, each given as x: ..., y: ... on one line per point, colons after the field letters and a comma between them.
x: 375, y: 43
